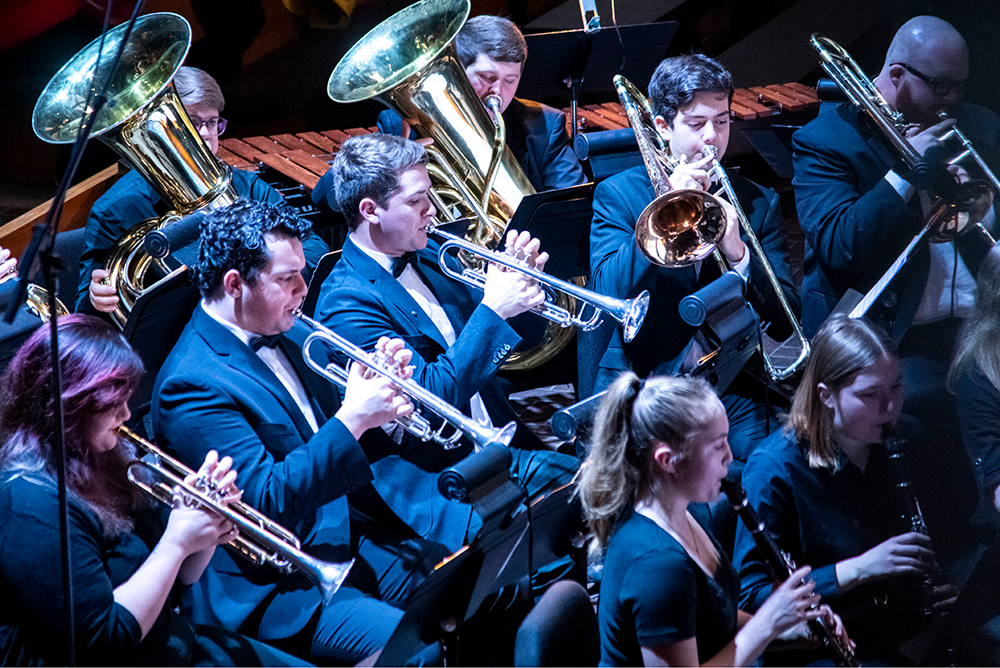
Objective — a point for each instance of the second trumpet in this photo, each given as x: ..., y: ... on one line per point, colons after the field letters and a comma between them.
x: 628, y: 312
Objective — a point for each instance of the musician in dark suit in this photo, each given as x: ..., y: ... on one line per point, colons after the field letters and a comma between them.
x: 459, y: 340
x: 859, y: 206
x: 236, y: 381
x: 492, y: 51
x: 132, y: 199
x: 691, y: 97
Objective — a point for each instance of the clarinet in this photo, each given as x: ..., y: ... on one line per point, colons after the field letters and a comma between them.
x: 782, y: 566
x: 913, y: 517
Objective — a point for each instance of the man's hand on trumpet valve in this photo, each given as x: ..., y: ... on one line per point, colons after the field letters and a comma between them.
x: 371, y: 399
x: 193, y: 528
x: 511, y: 293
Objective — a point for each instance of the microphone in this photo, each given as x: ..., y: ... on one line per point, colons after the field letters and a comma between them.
x: 160, y: 243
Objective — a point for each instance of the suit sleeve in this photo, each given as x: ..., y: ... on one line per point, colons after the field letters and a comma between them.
x: 849, y: 227
x: 560, y: 166
x: 357, y: 313
x: 616, y: 263
x: 100, y: 235
x: 281, y: 477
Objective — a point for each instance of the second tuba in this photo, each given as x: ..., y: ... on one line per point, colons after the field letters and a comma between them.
x: 143, y: 120
x: 409, y: 63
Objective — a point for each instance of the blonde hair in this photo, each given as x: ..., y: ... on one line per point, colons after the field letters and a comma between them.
x: 633, y: 417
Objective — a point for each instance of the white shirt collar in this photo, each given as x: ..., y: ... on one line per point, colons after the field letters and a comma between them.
x: 384, y: 261
x: 240, y: 333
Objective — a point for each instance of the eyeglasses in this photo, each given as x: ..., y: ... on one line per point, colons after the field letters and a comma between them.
x: 939, y: 87
x: 215, y: 125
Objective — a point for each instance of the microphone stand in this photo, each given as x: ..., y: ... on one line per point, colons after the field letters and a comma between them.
x: 50, y: 266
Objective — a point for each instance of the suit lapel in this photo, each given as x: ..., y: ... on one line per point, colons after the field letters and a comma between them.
x: 454, y: 297
x: 397, y: 299
x: 245, y: 362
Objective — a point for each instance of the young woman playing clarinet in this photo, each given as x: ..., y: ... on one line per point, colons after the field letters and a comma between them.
x: 829, y: 489
x: 669, y: 594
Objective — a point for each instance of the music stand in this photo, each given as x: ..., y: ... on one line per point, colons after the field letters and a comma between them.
x: 580, y: 62
x: 459, y: 584
x: 559, y: 219
x: 155, y: 324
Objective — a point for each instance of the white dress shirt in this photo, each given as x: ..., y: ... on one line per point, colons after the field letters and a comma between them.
x: 276, y: 361
x: 429, y: 304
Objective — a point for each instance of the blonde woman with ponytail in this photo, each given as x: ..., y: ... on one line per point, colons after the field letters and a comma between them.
x: 669, y: 594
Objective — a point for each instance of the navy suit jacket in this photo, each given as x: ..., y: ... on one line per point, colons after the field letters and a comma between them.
x: 619, y: 269
x: 213, y: 392
x: 363, y: 302
x: 855, y: 222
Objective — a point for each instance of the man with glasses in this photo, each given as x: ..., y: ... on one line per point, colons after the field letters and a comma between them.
x: 132, y: 200
x: 860, y: 205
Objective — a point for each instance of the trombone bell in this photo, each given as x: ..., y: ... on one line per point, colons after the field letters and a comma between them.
x: 680, y: 228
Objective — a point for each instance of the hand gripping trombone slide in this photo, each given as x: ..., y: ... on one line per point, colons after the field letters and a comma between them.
x: 781, y: 567
x: 416, y: 424
x: 261, y: 540
x: 628, y: 312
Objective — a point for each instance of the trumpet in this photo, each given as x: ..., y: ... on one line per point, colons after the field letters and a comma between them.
x: 416, y: 424
x: 261, y: 540
x: 681, y: 227
x: 628, y: 312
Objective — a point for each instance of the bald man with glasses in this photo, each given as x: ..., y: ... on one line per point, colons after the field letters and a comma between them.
x: 859, y: 206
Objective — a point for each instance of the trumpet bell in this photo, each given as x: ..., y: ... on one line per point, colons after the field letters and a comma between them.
x: 632, y: 319
x: 680, y: 228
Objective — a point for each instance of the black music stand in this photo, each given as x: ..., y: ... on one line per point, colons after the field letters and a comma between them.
x: 580, y: 62
x: 559, y: 219
x: 458, y: 585
x: 155, y: 324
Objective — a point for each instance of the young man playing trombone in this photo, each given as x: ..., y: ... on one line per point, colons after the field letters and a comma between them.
x: 859, y: 206
x: 690, y: 96
x: 236, y: 381
x: 388, y: 284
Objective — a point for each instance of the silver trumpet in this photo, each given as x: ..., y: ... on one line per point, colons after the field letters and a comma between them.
x: 261, y: 540
x: 628, y: 312
x: 416, y: 424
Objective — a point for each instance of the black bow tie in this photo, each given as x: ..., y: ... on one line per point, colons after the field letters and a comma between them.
x: 399, y: 263
x: 259, y: 342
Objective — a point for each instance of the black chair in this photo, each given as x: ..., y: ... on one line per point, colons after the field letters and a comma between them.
x: 561, y: 630
x: 69, y: 248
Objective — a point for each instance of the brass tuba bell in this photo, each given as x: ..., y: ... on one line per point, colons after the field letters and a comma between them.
x: 144, y: 121
x: 409, y: 63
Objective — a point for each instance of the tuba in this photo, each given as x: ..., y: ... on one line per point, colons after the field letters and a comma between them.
x: 947, y: 218
x: 681, y: 227
x: 261, y: 540
x: 143, y: 121
x: 409, y: 63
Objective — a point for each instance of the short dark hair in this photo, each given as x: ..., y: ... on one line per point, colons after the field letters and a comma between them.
x: 369, y: 166
x: 233, y: 238
x: 495, y: 36
x: 676, y: 80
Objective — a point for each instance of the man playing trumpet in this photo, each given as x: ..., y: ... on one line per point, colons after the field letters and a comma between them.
x: 388, y: 283
x: 690, y: 96
x: 236, y: 381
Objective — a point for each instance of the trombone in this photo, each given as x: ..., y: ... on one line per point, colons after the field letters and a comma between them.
x: 261, y: 540
x: 416, y: 424
x: 628, y: 312
x: 946, y: 219
x: 681, y: 227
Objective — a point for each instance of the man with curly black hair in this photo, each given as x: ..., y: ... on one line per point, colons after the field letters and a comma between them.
x: 236, y: 381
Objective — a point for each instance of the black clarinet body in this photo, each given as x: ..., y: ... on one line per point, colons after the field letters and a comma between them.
x: 913, y: 517
x: 781, y: 567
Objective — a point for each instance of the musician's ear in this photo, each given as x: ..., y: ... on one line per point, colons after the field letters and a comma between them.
x: 662, y: 127
x: 666, y: 458
x: 825, y: 394
x: 367, y: 207
x: 896, y: 73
